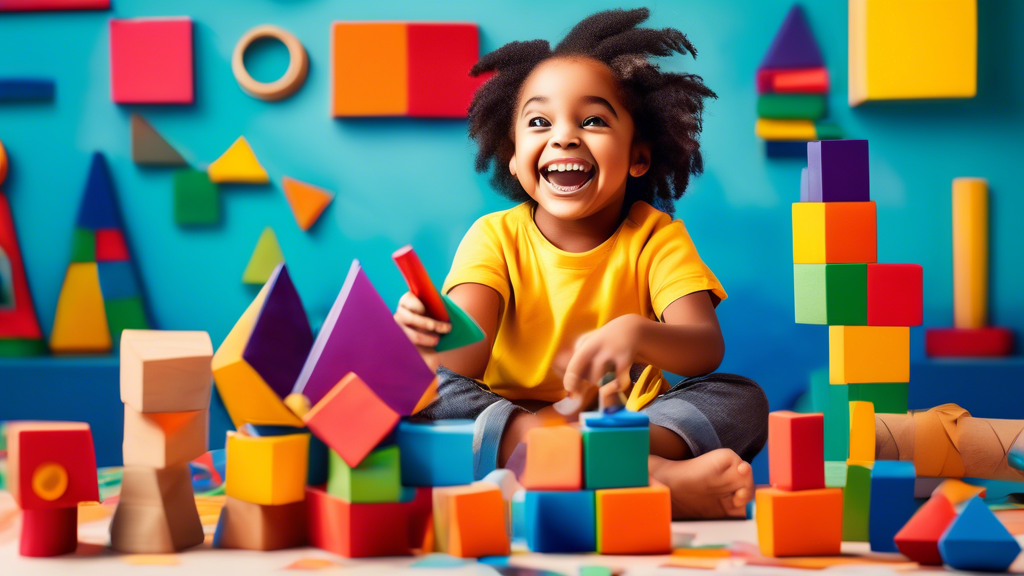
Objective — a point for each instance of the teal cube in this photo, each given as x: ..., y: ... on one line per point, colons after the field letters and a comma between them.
x: 833, y: 294
x: 377, y: 479
x: 615, y: 457
x: 834, y: 401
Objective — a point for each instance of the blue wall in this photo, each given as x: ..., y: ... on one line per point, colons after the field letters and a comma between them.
x: 405, y: 181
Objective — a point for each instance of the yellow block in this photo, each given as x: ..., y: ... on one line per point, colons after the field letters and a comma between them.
x: 809, y: 233
x: 247, y: 397
x: 912, y: 49
x: 369, y: 69
x: 868, y: 354
x: 862, y: 432
x: 785, y: 129
x: 238, y: 164
x: 970, y: 252
x: 267, y: 469
x: 80, y: 324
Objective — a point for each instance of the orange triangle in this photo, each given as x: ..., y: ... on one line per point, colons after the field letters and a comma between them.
x: 307, y: 201
x: 171, y: 422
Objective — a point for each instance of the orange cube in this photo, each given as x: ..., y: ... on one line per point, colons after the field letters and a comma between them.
x: 796, y: 450
x: 634, y: 520
x: 554, y: 459
x: 804, y: 523
x: 477, y: 523
x: 834, y: 233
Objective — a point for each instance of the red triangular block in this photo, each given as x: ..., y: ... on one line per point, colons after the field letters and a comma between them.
x: 919, y: 538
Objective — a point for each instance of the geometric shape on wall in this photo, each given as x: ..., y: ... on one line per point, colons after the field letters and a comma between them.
x: 36, y: 5
x: 307, y: 201
x: 149, y: 147
x: 196, y: 198
x: 18, y: 320
x: 440, y: 57
x: 793, y: 45
x: 151, y: 61
x: 265, y: 258
x: 238, y: 164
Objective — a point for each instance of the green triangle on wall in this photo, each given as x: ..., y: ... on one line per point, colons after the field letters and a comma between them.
x: 265, y: 258
x: 465, y: 330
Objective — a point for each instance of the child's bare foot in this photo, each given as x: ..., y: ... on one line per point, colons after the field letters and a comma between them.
x: 714, y: 485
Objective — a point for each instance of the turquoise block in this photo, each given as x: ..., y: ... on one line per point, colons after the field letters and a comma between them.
x: 560, y: 522
x: 615, y: 457
x: 438, y: 453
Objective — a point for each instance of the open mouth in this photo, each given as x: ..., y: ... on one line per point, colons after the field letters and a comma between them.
x: 567, y: 177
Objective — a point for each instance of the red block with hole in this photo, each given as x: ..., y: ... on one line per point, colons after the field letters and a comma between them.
x: 796, y: 451
x: 894, y: 294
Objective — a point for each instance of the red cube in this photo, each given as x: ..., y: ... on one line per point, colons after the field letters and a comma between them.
x: 894, y: 294
x: 796, y: 451
x: 357, y: 530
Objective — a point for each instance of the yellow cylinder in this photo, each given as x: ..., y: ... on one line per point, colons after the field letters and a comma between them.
x: 970, y: 252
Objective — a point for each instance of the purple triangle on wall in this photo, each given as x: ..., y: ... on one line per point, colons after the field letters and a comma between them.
x: 794, y: 45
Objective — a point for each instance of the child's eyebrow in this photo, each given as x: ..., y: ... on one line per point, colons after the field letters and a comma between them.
x: 537, y: 99
x: 602, y: 102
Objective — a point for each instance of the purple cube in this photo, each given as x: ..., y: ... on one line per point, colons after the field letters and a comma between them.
x: 804, y: 193
x: 837, y: 171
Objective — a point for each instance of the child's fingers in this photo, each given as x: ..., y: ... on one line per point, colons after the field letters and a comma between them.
x: 410, y: 302
x: 425, y: 339
x: 578, y: 372
x: 410, y: 319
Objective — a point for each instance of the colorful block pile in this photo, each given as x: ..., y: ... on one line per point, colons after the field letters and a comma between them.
x: 792, y: 87
x: 966, y: 536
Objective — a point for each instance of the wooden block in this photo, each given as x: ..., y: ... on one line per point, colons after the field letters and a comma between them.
x: 111, y: 246
x: 791, y: 106
x: 793, y: 45
x: 919, y: 538
x: 477, y: 523
x: 378, y: 478
x: 156, y: 513
x: 892, y: 502
x: 26, y: 89
x: 149, y: 147
x: 440, y: 55
x: 977, y: 540
x: 249, y: 526
x: 164, y: 440
x: 862, y: 431
x: 895, y: 50
x: 554, y: 459
x: 615, y: 457
x: 436, y: 453
x: 785, y: 129
x: 151, y: 61
x: 837, y: 171
x: 419, y: 282
x: 421, y: 518
x: 166, y: 370
x: 834, y: 401
x: 307, y: 201
x: 833, y: 294
x: 796, y: 450
x: 856, y: 502
x: 80, y: 323
x: 802, y: 81
x: 238, y: 164
x: 50, y: 465
x: 441, y: 497
x: 634, y: 520
x: 268, y: 469
x: 196, y: 198
x: 351, y: 419
x: 968, y: 343
x: 970, y: 253
x: 866, y: 354
x: 804, y: 523
x: 834, y: 233
x: 895, y: 294
x: 369, y: 69
x: 356, y: 530
x: 33, y: 5
x: 560, y: 522
x: 887, y: 398
x: 506, y: 481
x: 48, y: 532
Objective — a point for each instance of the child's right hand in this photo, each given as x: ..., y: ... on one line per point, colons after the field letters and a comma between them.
x: 422, y: 330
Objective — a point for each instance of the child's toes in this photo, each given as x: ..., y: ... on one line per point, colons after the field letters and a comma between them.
x: 741, y: 497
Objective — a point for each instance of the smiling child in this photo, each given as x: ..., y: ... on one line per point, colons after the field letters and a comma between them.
x: 590, y: 274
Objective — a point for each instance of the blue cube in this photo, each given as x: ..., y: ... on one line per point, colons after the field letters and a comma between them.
x: 561, y: 522
x: 438, y: 453
x: 892, y: 502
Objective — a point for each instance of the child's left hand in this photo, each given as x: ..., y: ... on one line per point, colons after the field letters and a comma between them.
x: 611, y: 348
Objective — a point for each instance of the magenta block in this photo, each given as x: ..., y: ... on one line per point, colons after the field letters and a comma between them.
x: 794, y: 45
x: 360, y: 335
x: 281, y: 338
x: 837, y: 171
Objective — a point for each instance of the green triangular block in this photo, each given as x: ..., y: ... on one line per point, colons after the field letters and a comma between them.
x: 265, y: 258
x: 83, y: 245
x: 465, y: 330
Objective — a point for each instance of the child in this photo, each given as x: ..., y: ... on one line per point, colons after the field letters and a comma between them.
x: 586, y: 276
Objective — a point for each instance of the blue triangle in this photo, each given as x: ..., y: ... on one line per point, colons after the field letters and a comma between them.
x: 977, y: 540
x: 794, y: 45
x: 98, y: 208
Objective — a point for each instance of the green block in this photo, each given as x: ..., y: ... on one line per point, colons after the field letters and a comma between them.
x: 465, y: 330
x: 125, y: 314
x: 83, y: 245
x: 378, y: 478
x: 833, y: 294
x: 828, y: 131
x: 856, y: 504
x: 835, y: 474
x: 837, y: 416
x: 595, y: 571
x: 21, y: 347
x: 887, y: 398
x: 615, y: 457
x: 818, y: 390
x: 196, y: 198
x: 791, y: 106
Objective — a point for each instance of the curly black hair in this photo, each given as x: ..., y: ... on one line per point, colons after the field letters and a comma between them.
x: 667, y: 108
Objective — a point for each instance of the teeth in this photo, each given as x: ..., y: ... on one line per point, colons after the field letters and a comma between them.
x: 566, y: 167
x: 561, y: 167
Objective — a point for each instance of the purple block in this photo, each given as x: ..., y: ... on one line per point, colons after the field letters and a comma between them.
x: 837, y: 171
x: 794, y: 45
x: 804, y: 192
x: 281, y: 338
x: 360, y: 335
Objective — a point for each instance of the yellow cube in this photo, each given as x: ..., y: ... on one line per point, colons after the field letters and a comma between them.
x: 868, y: 354
x: 267, y: 469
x: 809, y: 233
x: 912, y: 49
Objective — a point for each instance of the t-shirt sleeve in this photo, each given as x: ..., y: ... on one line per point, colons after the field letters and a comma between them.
x: 675, y: 268
x: 480, y: 259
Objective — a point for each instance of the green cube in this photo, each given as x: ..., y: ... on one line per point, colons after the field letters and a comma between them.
x: 887, y: 398
x: 378, y: 478
x: 125, y: 314
x: 83, y: 245
x: 615, y: 457
x: 835, y: 474
x: 791, y: 106
x: 856, y: 503
x: 833, y: 294
x: 196, y: 198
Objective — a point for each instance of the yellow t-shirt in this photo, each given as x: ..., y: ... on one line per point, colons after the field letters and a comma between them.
x: 551, y: 297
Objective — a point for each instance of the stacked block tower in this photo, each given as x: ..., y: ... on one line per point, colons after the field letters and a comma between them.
x: 792, y: 87
x: 165, y: 388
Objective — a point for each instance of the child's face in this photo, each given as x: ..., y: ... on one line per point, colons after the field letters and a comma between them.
x: 574, y: 139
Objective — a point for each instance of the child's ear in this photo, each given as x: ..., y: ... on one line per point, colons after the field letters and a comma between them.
x: 640, y: 160
x: 512, y: 165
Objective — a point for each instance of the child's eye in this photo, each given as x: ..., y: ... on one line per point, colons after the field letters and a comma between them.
x: 538, y: 123
x: 594, y: 121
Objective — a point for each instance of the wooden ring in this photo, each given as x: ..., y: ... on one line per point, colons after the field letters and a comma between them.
x: 294, y: 77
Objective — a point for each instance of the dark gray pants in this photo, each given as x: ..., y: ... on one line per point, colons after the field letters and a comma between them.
x: 708, y: 412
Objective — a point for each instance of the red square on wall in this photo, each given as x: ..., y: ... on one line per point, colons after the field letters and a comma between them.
x: 151, y: 61
x: 440, y: 56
